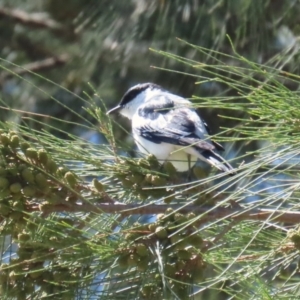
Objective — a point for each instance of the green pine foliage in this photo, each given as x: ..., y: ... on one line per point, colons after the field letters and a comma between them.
x: 80, y: 220
x: 73, y: 213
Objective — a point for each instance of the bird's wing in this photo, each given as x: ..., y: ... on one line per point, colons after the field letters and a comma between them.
x: 165, y: 123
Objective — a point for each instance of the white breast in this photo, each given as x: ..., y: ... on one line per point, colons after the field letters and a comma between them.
x: 160, y: 151
x: 166, y: 152
x: 181, y: 160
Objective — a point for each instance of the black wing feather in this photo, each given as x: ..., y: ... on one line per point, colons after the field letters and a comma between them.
x: 180, y: 130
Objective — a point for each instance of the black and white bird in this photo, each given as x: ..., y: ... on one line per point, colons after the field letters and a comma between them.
x: 166, y: 125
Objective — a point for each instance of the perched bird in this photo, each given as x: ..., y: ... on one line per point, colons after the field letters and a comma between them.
x: 166, y: 125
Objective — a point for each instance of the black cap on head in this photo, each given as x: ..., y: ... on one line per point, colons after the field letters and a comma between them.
x: 132, y: 93
x: 135, y: 90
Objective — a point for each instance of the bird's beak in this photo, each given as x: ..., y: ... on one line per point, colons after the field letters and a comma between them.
x: 113, y: 110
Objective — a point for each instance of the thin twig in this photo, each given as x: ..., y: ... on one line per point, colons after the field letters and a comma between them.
x: 37, y: 66
x: 219, y: 236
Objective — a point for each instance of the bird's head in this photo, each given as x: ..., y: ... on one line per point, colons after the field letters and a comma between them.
x: 134, y: 98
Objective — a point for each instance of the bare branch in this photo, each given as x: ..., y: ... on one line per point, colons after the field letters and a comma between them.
x: 208, y: 212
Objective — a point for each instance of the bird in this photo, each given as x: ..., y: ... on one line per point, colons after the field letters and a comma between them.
x: 168, y: 127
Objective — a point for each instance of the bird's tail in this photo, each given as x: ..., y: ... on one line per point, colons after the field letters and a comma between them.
x: 217, y: 161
